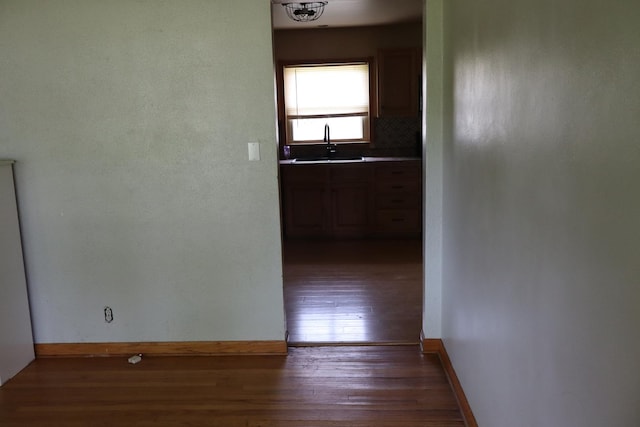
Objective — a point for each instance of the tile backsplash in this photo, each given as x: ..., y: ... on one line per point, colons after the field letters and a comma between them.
x: 396, y: 132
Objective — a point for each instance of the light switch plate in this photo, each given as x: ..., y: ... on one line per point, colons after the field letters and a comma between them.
x: 254, y: 151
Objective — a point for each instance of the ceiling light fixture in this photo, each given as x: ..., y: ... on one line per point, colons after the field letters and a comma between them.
x: 305, y: 12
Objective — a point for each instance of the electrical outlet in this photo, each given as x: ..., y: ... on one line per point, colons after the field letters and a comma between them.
x: 108, y: 314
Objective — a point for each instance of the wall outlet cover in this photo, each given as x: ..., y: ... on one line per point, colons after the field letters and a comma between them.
x: 254, y: 151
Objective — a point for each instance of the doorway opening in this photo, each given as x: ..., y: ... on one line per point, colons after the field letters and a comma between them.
x: 352, y: 249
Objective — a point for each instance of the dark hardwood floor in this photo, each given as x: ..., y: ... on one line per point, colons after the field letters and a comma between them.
x: 360, y: 291
x: 372, y: 386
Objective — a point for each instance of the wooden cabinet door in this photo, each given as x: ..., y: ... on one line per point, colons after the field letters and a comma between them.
x: 305, y: 210
x: 331, y: 201
x: 350, y: 200
x: 305, y: 197
x: 398, y: 82
x: 349, y: 210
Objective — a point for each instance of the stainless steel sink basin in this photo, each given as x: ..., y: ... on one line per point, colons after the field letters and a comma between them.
x: 335, y: 159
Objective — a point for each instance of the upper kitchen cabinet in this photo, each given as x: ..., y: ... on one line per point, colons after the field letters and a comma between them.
x: 398, y: 82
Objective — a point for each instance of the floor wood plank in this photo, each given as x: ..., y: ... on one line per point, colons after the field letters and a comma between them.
x: 361, y: 291
x: 312, y: 386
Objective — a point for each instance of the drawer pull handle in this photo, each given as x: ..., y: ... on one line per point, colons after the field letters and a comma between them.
x: 397, y: 220
x: 397, y: 187
x: 396, y: 201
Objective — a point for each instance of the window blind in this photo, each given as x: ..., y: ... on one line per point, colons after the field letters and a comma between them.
x: 313, y: 91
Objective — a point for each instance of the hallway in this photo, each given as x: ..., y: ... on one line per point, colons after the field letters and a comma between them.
x: 361, y: 291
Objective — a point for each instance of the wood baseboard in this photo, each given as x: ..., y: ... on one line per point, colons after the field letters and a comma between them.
x: 431, y: 345
x: 186, y: 348
x: 435, y: 345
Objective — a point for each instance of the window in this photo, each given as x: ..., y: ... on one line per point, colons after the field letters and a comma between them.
x: 336, y: 94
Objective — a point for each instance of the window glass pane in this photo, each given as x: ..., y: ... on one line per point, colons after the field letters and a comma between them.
x: 341, y: 128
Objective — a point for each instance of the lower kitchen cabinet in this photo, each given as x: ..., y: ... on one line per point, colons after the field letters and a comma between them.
x: 305, y: 196
x: 305, y: 210
x: 352, y: 200
x: 324, y: 200
x: 398, y: 199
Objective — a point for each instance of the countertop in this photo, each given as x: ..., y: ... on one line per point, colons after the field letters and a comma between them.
x: 366, y: 160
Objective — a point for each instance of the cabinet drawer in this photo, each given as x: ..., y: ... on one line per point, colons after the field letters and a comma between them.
x: 398, y: 172
x: 398, y: 220
x: 399, y: 187
x: 397, y: 200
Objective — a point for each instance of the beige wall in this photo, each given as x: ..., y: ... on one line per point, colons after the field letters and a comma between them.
x: 130, y: 123
x: 541, y: 236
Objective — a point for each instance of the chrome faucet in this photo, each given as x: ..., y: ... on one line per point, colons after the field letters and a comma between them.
x: 331, y: 148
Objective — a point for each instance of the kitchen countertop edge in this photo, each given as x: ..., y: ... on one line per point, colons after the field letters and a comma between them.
x: 366, y: 160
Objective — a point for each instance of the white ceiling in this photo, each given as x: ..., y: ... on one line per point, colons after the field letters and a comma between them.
x: 353, y: 13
